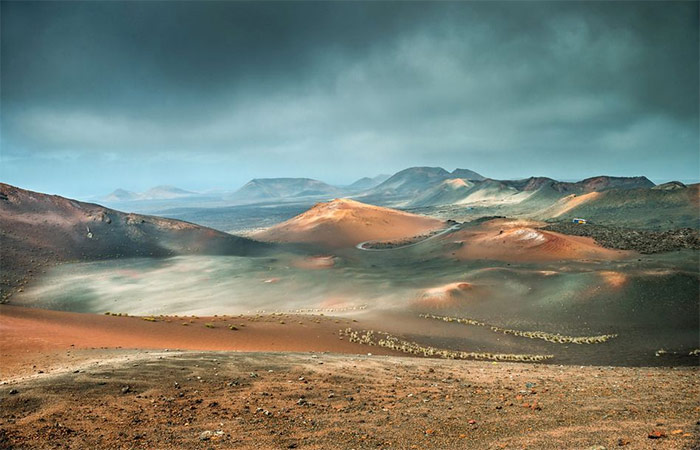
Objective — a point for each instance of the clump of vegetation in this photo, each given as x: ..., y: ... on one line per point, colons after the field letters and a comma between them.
x: 233, y: 327
x: 549, y: 337
x: 386, y: 340
x: 209, y: 325
x: 150, y: 319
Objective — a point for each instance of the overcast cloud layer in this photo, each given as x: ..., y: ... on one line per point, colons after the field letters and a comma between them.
x: 201, y: 95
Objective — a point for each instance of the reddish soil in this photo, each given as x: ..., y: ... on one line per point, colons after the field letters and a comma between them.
x: 39, y: 340
x: 83, y: 381
x: 320, y: 401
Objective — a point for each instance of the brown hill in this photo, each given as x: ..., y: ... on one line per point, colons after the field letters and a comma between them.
x: 40, y: 230
x: 345, y: 223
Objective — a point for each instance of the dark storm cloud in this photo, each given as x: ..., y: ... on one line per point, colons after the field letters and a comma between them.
x: 219, y: 92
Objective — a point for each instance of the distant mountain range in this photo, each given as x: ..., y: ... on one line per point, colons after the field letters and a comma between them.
x: 270, y: 189
x: 435, y: 187
x: 155, y: 193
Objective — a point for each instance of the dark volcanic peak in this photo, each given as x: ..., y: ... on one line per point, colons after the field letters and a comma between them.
x: 467, y: 174
x: 603, y: 182
x: 670, y: 186
x: 599, y: 183
x: 413, y: 180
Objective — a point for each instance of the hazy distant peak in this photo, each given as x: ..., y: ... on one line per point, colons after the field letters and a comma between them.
x: 162, y: 192
x: 120, y: 195
x: 265, y: 189
x: 368, y: 183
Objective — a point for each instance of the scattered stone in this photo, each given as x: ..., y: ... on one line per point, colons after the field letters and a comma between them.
x: 656, y: 434
x: 126, y: 390
x: 206, y: 435
x: 14, y: 391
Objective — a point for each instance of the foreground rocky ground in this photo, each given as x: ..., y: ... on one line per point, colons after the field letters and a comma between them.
x: 137, y: 399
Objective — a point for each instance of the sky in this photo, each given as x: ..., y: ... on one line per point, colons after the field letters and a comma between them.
x: 207, y: 95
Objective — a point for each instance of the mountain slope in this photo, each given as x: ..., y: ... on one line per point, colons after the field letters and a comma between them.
x: 345, y: 223
x: 39, y: 229
x: 534, y: 193
x: 411, y: 181
x: 642, y: 208
x: 450, y: 191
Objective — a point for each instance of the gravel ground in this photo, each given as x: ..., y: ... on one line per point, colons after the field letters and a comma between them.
x: 327, y: 401
x: 642, y: 241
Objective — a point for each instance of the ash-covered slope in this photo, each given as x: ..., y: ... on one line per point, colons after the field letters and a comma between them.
x: 404, y: 187
x: 663, y: 208
x: 39, y: 230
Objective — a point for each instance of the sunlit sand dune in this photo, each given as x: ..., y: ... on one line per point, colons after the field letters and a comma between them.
x: 345, y: 223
